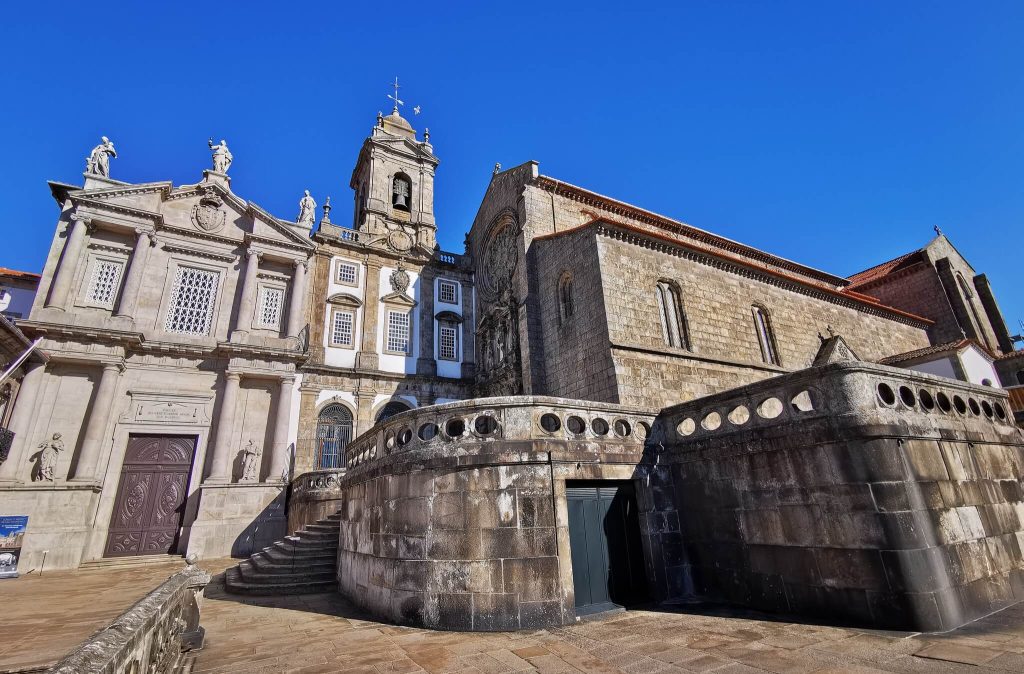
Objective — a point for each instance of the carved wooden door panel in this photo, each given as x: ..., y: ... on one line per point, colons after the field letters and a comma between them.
x: 151, y: 496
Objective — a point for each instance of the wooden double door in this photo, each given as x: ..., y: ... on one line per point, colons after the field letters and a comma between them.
x: 606, y: 546
x: 151, y: 496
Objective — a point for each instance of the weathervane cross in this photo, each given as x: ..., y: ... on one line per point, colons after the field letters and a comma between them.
x: 395, y: 97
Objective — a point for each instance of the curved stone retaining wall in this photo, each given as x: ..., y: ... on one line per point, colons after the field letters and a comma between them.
x: 454, y: 515
x: 314, y: 496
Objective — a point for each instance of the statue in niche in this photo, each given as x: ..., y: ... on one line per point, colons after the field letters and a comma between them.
x: 48, y: 458
x: 250, y: 462
x: 222, y: 156
x: 98, y: 161
x: 307, y: 210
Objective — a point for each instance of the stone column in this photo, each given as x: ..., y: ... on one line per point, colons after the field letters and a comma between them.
x: 279, y: 459
x: 144, y: 240
x: 367, y: 358
x: 220, y: 461
x: 248, y: 300
x: 297, y: 301
x: 96, y: 424
x: 64, y: 276
x: 21, y: 421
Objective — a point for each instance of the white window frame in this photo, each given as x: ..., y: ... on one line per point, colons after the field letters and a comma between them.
x: 407, y: 314
x: 334, y: 329
x: 454, y: 327
x: 85, y: 297
x: 211, y: 309
x: 338, y: 265
x: 263, y: 290
x: 454, y: 285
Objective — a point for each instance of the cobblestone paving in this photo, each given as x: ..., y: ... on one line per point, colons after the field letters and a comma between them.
x: 324, y: 633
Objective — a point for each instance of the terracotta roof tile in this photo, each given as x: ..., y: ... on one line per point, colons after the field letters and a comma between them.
x: 14, y: 273
x: 867, y: 276
x: 948, y: 347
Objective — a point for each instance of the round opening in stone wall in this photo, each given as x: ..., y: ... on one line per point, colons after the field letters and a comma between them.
x: 907, y: 396
x: 926, y: 399
x: 455, y: 428
x: 550, y: 422
x: 576, y: 425
x: 643, y: 430
x: 686, y: 427
x: 712, y: 421
x: 986, y: 408
x: 739, y: 416
x: 1000, y: 412
x: 801, y: 402
x: 623, y: 429
x: 599, y: 426
x: 770, y: 408
x: 428, y: 431
x: 943, y: 401
x: 485, y: 424
x: 404, y: 436
x: 885, y: 394
x: 973, y: 404
x: 959, y: 404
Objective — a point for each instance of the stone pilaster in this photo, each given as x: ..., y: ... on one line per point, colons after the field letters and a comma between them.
x: 21, y: 421
x: 364, y: 412
x: 367, y: 358
x: 468, y: 331
x: 220, y: 461
x: 65, y: 275
x: 279, y: 465
x: 297, y: 301
x: 144, y: 240
x: 426, y: 365
x: 995, y: 317
x: 96, y: 424
x: 247, y: 303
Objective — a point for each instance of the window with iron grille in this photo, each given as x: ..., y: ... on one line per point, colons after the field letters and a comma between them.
x: 448, y: 341
x: 341, y: 328
x: 271, y: 301
x: 398, y: 332
x: 347, y: 273
x: 190, y: 309
x: 333, y: 433
x: 106, y: 275
x: 448, y: 292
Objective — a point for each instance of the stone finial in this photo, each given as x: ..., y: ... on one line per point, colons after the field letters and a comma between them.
x: 426, y: 134
x: 191, y: 559
x: 497, y: 168
x: 380, y: 119
x: 938, y: 232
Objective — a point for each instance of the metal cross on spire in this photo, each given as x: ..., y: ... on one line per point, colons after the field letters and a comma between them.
x: 395, y: 98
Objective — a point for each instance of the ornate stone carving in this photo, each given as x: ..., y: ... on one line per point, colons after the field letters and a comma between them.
x: 400, y: 240
x: 222, y: 156
x: 207, y: 214
x: 399, y: 280
x: 307, y: 210
x: 499, y: 258
x: 98, y: 161
x: 48, y: 458
x: 250, y: 462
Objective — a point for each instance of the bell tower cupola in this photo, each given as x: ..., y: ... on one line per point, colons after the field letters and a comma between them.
x: 394, y: 185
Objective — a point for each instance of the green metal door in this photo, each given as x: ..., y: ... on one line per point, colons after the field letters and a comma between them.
x: 604, y: 535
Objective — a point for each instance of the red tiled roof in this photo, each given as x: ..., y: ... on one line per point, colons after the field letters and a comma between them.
x: 948, y: 347
x: 878, y: 271
x: 14, y: 273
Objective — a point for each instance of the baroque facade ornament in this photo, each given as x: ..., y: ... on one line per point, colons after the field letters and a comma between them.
x: 399, y: 280
x: 48, y: 459
x: 222, y: 156
x: 98, y: 161
x: 207, y: 214
x: 499, y: 258
x: 400, y: 241
x: 307, y: 210
x: 250, y: 462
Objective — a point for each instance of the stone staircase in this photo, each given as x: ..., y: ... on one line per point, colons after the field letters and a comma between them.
x: 303, y: 563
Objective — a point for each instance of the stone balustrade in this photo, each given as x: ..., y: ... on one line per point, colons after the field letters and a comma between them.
x: 314, y: 496
x: 468, y: 427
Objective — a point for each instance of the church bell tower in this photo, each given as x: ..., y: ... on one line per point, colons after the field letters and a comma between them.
x: 394, y: 186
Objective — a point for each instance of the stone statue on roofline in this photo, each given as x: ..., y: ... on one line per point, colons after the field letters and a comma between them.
x: 222, y: 156
x: 307, y: 210
x: 98, y: 161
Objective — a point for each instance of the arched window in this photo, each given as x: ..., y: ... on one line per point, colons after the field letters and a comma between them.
x: 401, y: 192
x: 333, y: 433
x: 565, y: 303
x: 763, y: 327
x: 391, y: 409
x: 673, y: 318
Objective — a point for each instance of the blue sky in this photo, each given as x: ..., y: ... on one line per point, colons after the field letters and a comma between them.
x: 836, y: 134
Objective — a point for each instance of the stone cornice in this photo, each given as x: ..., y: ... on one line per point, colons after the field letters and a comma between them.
x: 196, y: 234
x: 90, y: 333
x: 156, y: 218
x: 652, y: 241
x: 199, y: 252
x: 276, y: 243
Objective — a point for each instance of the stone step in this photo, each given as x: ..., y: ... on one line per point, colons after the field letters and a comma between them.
x: 234, y: 583
x: 250, y: 574
x: 267, y: 564
x: 130, y: 562
x: 304, y: 551
x: 317, y: 534
x: 279, y: 556
x: 310, y: 543
x: 325, y: 528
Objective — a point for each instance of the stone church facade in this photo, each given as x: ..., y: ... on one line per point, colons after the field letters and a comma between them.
x: 217, y: 377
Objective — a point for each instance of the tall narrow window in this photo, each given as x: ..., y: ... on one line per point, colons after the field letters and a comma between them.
x: 565, y: 301
x: 341, y: 329
x: 271, y: 301
x: 448, y: 292
x: 333, y: 432
x: 190, y: 308
x: 106, y: 276
x: 398, y: 332
x: 347, y: 273
x: 401, y: 192
x: 448, y: 341
x: 673, y: 319
x: 763, y: 327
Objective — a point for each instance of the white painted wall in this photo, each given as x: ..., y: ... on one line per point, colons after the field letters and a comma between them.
x: 977, y: 367
x: 333, y: 355
x: 448, y: 368
x: 391, y: 362
x: 942, y: 367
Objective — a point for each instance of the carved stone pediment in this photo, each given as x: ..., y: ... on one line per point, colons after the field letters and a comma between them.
x: 208, y: 214
x: 400, y: 299
x: 345, y: 300
x: 449, y: 316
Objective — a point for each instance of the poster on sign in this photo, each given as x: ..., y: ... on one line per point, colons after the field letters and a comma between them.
x: 12, y: 533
